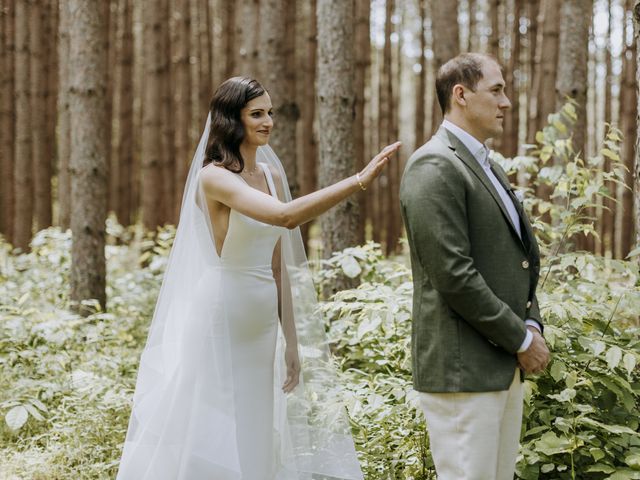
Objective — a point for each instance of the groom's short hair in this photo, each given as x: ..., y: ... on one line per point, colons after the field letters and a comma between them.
x: 465, y: 69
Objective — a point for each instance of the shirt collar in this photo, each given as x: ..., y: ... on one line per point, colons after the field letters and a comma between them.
x: 477, y: 149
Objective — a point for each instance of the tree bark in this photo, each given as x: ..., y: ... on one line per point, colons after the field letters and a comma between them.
x: 23, y: 161
x: 575, y: 19
x: 545, y: 72
x: 363, y: 61
x: 125, y: 154
x: 247, y: 21
x: 41, y: 155
x: 609, y: 205
x: 444, y: 16
x: 89, y: 152
x: 7, y: 116
x: 628, y: 118
x: 512, y: 116
x: 276, y: 39
x: 422, y: 76
x: 335, y: 118
x: 152, y: 114
x: 636, y: 156
x: 64, y: 129
x: 181, y: 100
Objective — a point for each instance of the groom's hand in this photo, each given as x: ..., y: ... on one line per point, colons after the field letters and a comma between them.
x: 535, y: 358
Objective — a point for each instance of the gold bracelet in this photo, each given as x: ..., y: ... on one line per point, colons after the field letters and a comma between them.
x: 362, y: 187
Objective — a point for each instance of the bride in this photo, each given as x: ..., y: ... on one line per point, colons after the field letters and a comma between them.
x: 235, y: 381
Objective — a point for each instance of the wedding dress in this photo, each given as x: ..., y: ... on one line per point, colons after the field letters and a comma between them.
x: 208, y: 403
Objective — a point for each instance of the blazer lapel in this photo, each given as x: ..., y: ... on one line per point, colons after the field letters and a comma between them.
x: 470, y: 161
x: 528, y: 236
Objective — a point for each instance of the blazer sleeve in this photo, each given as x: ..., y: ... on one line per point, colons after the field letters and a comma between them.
x: 433, y: 203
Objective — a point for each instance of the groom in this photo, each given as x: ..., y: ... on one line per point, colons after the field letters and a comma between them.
x: 475, y: 263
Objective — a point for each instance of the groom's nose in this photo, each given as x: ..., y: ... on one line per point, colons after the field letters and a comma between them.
x: 504, y: 102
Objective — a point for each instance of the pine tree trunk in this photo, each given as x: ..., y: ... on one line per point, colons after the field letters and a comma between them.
x: 64, y: 129
x: 7, y: 115
x: 494, y: 39
x: 335, y: 118
x: 385, y: 115
x: 575, y: 19
x: 422, y: 77
x: 51, y: 19
x: 181, y: 99
x: 363, y: 47
x: 445, y: 44
x: 545, y: 71
x: 609, y: 205
x: 125, y: 153
x: 41, y: 156
x: 512, y: 116
x: 247, y: 20
x: 152, y: 114
x: 168, y: 208
x: 628, y: 123
x: 473, y: 26
x: 205, y: 37
x: 89, y: 153
x: 276, y: 38
x: 636, y: 156
x: 23, y: 160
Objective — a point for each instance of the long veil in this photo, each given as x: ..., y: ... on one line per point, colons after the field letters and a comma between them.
x: 182, y: 424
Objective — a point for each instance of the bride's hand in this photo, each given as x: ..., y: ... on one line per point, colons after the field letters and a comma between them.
x: 293, y: 368
x: 377, y: 163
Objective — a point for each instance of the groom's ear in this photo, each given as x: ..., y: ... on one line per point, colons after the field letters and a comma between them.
x: 458, y: 95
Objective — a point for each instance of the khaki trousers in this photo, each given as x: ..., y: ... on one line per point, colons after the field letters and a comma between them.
x: 475, y: 436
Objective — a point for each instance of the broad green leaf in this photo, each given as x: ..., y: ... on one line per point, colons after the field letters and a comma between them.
x: 551, y: 444
x: 598, y: 347
x: 601, y: 467
x: 610, y: 154
x: 629, y: 360
x: 557, y: 371
x: 633, y: 461
x: 350, y: 266
x: 16, y: 417
x: 613, y: 357
x: 547, y: 467
x: 615, y: 429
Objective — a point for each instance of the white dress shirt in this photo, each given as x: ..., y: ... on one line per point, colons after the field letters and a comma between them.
x: 481, y: 154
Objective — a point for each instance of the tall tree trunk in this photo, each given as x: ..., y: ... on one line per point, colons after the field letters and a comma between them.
x: 205, y: 37
x: 546, y: 66
x: 64, y: 128
x: 636, y: 169
x: 41, y: 155
x: 575, y: 19
x: 628, y: 120
x: 494, y: 39
x: 23, y: 160
x: 152, y: 113
x: 181, y: 100
x: 168, y: 206
x: 422, y: 76
x: 335, y: 118
x: 276, y: 39
x: 473, y: 26
x: 306, y: 44
x: 89, y: 152
x: 125, y: 154
x: 385, y: 115
x: 7, y: 116
x: 512, y: 117
x: 51, y: 20
x: 609, y: 205
x: 248, y: 21
x: 444, y: 16
x: 363, y: 60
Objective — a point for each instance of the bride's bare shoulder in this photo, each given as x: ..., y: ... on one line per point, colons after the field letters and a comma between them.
x: 213, y: 175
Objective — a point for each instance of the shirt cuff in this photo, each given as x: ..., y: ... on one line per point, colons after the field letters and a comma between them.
x: 526, y: 343
x: 533, y: 323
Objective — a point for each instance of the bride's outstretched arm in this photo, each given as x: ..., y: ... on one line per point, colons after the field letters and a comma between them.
x: 223, y: 186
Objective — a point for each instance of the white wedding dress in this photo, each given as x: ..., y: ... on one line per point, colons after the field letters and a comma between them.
x: 208, y: 403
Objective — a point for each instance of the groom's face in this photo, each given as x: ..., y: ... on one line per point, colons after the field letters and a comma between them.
x: 486, y: 105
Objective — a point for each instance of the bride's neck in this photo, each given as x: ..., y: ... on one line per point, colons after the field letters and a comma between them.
x: 248, y: 154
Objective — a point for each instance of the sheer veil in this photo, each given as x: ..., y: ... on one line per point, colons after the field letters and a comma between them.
x: 183, y: 418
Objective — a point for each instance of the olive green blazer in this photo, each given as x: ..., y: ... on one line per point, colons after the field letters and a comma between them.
x: 474, y: 278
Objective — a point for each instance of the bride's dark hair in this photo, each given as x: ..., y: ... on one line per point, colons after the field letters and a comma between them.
x: 226, y: 132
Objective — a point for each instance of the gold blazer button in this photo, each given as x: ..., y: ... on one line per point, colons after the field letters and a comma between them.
x: 525, y: 264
